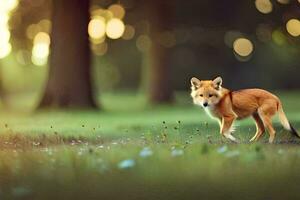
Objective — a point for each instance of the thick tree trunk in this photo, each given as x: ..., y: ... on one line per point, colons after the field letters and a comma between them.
x: 69, y: 83
x: 160, y: 87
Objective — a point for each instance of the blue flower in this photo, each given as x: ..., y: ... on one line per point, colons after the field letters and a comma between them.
x: 222, y: 149
x: 126, y: 164
x: 146, y: 152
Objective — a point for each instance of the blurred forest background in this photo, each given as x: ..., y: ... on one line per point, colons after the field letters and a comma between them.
x: 87, y: 48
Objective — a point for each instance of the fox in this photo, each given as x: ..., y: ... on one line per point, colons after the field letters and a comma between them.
x: 226, y: 106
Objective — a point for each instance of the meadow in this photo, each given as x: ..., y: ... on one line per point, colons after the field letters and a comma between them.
x: 132, y: 151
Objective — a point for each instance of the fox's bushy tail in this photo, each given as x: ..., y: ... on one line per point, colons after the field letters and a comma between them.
x: 285, y: 122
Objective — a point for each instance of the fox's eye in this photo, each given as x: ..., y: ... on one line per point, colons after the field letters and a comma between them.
x: 210, y: 95
x: 201, y: 95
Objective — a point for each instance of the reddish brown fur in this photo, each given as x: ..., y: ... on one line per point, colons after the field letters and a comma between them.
x: 228, y: 106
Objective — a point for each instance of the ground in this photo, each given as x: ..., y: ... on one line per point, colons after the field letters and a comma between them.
x: 132, y: 151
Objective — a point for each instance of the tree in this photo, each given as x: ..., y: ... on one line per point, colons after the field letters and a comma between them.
x: 69, y: 82
x: 160, y: 87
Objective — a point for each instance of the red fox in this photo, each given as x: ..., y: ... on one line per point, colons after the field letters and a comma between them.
x: 227, y: 106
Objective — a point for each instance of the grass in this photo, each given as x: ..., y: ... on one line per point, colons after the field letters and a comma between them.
x: 134, y: 151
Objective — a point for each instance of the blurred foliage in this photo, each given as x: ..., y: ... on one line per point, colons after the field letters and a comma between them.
x: 198, y: 46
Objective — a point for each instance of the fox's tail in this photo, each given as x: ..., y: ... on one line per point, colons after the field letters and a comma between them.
x: 285, y: 122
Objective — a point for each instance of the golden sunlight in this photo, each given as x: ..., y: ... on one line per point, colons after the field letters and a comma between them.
x: 40, y: 50
x: 5, y: 50
x: 96, y: 28
x: 129, y: 32
x: 243, y: 46
x: 293, y: 27
x: 117, y: 10
x: 115, y: 28
x: 264, y: 6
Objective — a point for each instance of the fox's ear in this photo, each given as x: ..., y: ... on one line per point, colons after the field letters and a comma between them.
x: 195, y: 83
x: 218, y: 82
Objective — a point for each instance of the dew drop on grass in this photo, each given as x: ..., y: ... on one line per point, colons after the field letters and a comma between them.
x: 126, y: 164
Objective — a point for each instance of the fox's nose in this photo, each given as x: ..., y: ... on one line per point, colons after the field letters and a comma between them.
x: 205, y: 104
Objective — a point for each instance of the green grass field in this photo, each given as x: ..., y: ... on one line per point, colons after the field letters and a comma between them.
x: 133, y: 151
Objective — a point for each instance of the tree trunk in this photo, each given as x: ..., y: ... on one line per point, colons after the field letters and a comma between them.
x: 160, y: 87
x: 69, y: 83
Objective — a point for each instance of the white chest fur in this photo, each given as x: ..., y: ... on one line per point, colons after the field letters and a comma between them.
x: 210, y: 110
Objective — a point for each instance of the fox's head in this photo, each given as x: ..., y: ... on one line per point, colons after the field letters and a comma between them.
x: 206, y: 93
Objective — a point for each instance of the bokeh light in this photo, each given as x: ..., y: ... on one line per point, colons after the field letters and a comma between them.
x: 264, y: 6
x: 45, y: 25
x: 40, y: 54
x: 117, y: 10
x: 129, y: 32
x: 42, y: 37
x: 3, y: 18
x: 5, y: 50
x: 284, y: 1
x: 293, y: 27
x: 96, y: 28
x: 99, y: 49
x: 243, y: 47
x: 143, y: 43
x: 115, y: 28
x: 231, y: 36
x: 4, y: 35
x: 107, y: 14
x: 278, y: 37
x: 40, y: 50
x: 32, y: 30
x: 8, y: 5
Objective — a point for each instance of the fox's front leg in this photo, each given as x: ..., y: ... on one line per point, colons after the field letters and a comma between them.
x: 225, y: 128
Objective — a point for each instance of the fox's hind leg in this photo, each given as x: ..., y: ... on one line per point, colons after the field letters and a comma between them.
x: 260, y: 129
x: 266, y: 112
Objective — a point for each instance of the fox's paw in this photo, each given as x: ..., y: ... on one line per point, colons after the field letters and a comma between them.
x: 231, y: 138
